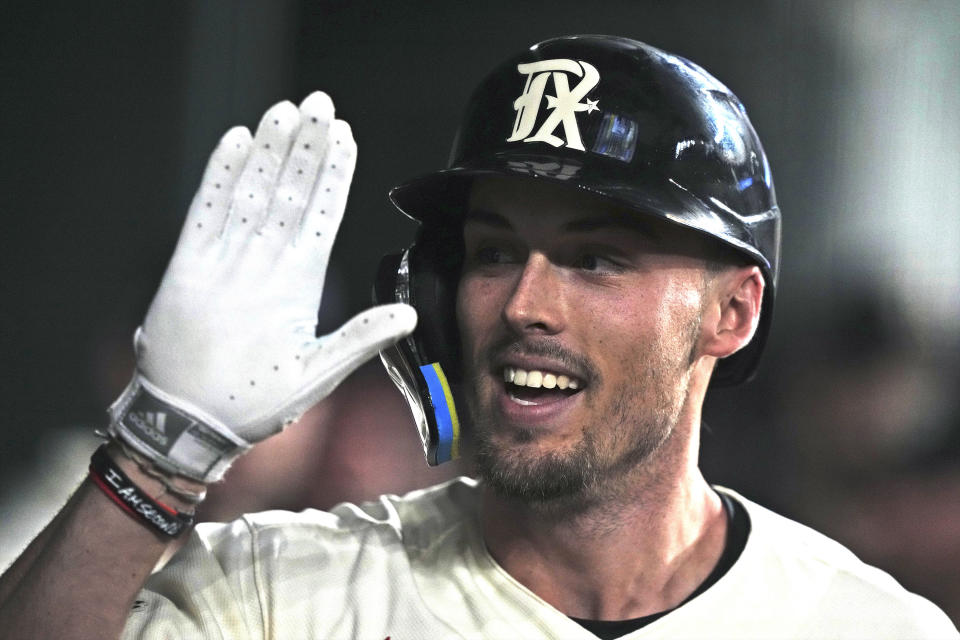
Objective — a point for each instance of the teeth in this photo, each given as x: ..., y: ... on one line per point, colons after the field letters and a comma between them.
x: 537, y: 379
x: 525, y: 403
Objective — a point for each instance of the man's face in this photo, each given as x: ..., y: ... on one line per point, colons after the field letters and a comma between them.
x: 579, y: 327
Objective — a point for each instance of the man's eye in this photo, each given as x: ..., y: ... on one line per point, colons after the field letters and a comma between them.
x: 490, y: 255
x: 592, y: 262
x: 588, y: 262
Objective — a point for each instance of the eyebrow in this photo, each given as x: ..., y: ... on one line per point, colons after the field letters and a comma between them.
x: 489, y: 218
x: 601, y: 222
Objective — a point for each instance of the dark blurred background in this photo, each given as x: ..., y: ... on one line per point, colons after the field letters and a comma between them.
x: 109, y: 110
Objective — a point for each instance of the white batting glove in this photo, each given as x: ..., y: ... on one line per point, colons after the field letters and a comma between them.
x: 227, y: 355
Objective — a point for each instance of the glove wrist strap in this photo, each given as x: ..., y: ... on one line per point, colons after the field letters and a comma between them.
x: 176, y: 437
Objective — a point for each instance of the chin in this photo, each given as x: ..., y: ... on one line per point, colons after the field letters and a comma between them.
x: 528, y: 474
x: 524, y: 464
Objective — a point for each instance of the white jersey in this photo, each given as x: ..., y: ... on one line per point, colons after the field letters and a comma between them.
x: 416, y: 567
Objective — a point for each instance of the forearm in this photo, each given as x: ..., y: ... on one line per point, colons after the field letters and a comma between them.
x: 79, y: 577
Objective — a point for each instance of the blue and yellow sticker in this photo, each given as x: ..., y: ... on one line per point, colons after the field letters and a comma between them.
x: 448, y: 425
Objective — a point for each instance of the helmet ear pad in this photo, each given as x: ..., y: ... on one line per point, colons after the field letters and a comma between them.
x: 428, y: 282
x: 425, y: 366
x: 435, y: 260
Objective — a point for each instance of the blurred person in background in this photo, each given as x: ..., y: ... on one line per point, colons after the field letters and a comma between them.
x: 876, y: 453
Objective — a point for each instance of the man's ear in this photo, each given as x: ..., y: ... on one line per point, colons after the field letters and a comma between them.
x: 737, y: 294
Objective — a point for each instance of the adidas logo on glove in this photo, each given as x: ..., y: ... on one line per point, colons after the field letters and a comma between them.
x: 151, y: 424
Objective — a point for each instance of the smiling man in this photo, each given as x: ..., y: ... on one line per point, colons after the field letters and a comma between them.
x: 589, y: 337
x: 581, y: 328
x: 602, y: 249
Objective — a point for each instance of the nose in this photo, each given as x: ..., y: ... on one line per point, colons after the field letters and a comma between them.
x: 536, y: 303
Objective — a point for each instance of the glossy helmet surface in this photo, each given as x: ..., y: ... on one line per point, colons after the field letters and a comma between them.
x: 623, y: 120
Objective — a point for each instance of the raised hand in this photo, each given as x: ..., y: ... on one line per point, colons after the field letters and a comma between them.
x: 227, y: 355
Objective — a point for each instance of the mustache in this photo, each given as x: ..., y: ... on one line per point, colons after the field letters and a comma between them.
x: 545, y: 348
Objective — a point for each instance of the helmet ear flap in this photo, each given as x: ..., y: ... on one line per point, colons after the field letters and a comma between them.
x: 435, y: 261
x: 425, y: 366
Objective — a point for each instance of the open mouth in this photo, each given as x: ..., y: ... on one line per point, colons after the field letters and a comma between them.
x: 536, y: 387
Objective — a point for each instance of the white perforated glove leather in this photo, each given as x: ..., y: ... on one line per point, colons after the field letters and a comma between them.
x: 227, y: 354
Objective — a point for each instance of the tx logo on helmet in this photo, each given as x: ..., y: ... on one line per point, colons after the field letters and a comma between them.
x: 565, y: 104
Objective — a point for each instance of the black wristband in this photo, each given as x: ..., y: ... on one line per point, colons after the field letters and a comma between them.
x: 115, y: 483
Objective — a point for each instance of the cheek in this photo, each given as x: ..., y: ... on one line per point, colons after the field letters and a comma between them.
x: 679, y: 318
x: 683, y: 302
x: 463, y: 312
x: 650, y: 323
x: 476, y: 310
x: 615, y: 313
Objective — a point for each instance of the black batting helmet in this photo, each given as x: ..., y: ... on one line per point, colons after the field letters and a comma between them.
x: 615, y: 117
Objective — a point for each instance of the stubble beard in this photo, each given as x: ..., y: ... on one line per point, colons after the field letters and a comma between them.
x: 608, y: 453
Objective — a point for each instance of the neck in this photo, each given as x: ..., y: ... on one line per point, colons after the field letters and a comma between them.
x: 639, y: 549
